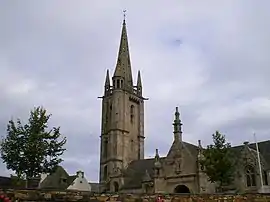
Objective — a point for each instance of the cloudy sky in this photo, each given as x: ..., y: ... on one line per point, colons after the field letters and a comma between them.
x: 210, y: 58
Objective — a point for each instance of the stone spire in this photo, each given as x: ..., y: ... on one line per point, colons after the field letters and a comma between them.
x: 123, y: 65
x: 177, y: 126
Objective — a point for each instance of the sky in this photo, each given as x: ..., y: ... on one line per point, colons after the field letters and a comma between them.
x: 210, y: 58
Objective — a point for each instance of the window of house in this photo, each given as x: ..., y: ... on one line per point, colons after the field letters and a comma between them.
x: 250, y: 176
x: 265, y: 178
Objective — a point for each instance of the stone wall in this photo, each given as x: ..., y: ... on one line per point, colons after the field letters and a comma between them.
x: 49, y: 196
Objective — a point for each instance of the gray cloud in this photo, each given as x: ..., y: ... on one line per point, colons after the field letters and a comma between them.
x: 209, y: 58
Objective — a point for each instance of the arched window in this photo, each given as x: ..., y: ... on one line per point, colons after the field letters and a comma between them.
x: 105, y: 172
x: 250, y: 176
x: 118, y: 83
x: 132, y: 113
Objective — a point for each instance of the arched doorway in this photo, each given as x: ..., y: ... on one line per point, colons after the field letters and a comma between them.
x: 116, y: 187
x: 183, y: 189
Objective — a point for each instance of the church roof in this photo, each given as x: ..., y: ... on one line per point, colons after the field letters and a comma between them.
x: 136, y: 170
x: 264, y: 148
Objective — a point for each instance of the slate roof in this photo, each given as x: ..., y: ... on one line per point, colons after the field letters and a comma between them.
x: 136, y: 170
x: 264, y: 149
x: 5, y: 182
x: 58, y: 180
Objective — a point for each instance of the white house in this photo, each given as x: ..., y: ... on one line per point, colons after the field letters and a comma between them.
x: 80, y: 183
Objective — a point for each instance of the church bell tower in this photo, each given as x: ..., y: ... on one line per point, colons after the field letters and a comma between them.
x: 122, y: 124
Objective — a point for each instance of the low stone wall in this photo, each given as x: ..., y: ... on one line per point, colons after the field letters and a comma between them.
x: 50, y: 196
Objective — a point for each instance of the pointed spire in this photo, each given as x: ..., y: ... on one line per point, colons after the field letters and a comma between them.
x: 123, y: 65
x: 177, y: 126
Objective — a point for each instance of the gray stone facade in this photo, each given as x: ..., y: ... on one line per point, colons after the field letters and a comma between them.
x: 122, y: 164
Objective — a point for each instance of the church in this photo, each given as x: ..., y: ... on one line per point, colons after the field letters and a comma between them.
x: 123, y: 167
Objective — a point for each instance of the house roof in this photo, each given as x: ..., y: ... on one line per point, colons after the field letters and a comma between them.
x: 58, y: 180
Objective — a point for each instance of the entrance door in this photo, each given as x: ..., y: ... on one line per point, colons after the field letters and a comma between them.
x: 181, y: 189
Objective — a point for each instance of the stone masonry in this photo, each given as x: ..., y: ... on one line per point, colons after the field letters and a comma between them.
x: 50, y: 196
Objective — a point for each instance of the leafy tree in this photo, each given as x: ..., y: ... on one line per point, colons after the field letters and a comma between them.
x: 32, y: 148
x: 217, y: 161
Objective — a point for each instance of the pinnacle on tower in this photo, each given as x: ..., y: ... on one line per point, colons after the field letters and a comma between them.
x: 139, y: 84
x: 157, y: 155
x: 107, y: 84
x: 123, y: 65
x: 177, y: 125
x: 139, y: 80
x: 107, y: 80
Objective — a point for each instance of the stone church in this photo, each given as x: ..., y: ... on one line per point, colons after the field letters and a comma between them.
x: 123, y: 167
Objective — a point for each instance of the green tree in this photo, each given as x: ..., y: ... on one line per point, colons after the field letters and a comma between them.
x: 217, y: 161
x: 32, y: 148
